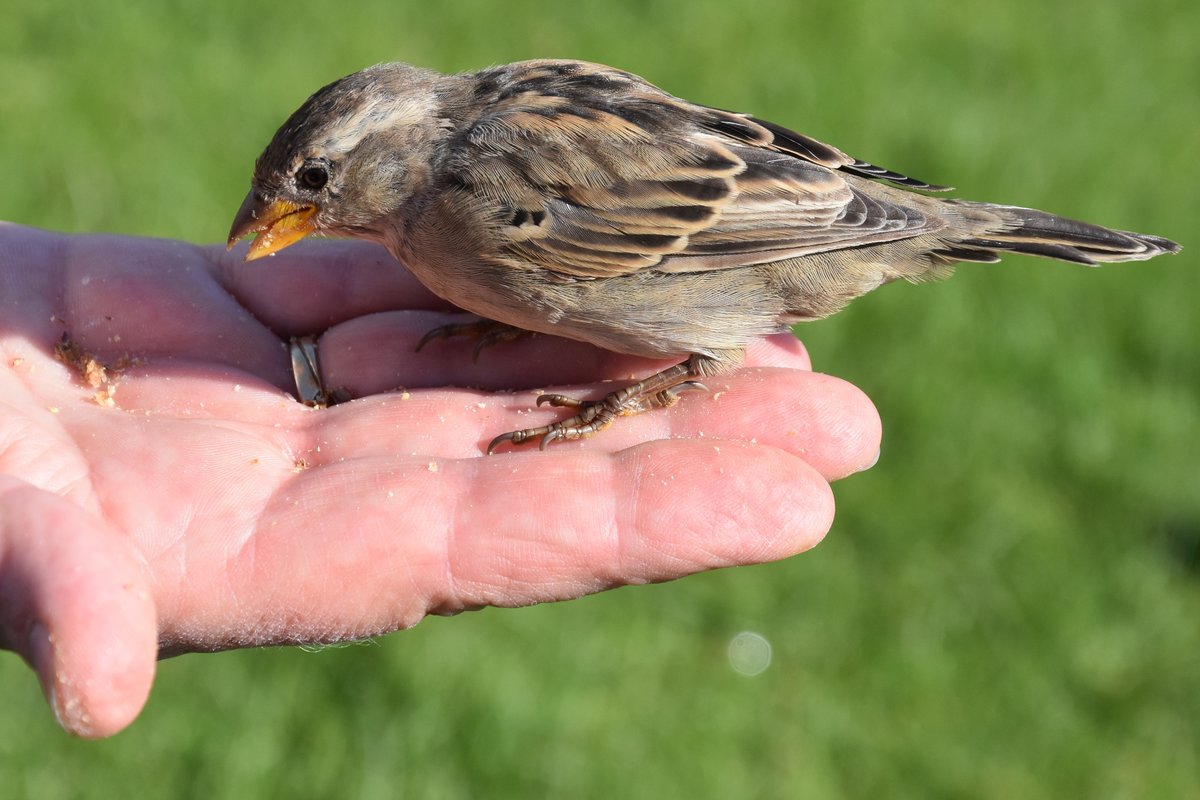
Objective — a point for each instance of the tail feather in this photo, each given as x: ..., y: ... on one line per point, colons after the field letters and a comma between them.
x: 1037, y: 233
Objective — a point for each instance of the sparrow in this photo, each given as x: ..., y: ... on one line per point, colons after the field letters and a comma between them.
x: 578, y: 200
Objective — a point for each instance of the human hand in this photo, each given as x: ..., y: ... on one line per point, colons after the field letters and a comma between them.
x: 196, y: 506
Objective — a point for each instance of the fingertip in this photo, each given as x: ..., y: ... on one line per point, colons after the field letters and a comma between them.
x: 829, y: 423
x: 779, y: 350
x: 82, y: 598
x: 834, y: 424
x: 96, y: 676
x: 724, y: 503
x: 861, y: 431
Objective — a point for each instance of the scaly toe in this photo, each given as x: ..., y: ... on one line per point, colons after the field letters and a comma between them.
x: 559, y: 401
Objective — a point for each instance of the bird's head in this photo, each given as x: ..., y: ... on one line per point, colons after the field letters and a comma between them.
x: 353, y: 154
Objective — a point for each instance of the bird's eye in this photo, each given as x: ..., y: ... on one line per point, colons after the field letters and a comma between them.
x: 313, y: 176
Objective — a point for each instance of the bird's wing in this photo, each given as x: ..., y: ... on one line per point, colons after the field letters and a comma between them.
x: 596, y: 173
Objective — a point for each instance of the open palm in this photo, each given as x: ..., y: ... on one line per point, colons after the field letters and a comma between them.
x: 196, y: 505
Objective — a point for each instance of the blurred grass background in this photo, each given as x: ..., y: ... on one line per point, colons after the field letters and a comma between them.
x: 1008, y: 604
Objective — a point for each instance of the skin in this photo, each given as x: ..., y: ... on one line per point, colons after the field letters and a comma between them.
x: 208, y: 510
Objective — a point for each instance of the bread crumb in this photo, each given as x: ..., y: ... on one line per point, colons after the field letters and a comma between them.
x: 96, y: 375
x: 104, y: 396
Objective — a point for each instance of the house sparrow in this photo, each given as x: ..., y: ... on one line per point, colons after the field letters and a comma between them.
x: 578, y: 200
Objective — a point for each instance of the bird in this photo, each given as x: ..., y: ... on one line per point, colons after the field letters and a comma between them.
x: 578, y: 200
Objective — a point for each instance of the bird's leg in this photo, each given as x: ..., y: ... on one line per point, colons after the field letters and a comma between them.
x: 486, y: 332
x: 660, y: 390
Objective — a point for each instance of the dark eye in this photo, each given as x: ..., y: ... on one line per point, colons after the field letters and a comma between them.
x: 313, y: 176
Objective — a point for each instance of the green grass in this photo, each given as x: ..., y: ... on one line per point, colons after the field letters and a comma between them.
x: 1007, y: 605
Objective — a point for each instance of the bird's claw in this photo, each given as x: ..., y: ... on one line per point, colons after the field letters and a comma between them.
x: 486, y: 332
x: 661, y: 390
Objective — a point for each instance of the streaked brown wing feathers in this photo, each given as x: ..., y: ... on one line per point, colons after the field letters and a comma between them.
x: 607, y: 183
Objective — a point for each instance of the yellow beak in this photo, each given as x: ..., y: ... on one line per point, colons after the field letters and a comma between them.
x: 277, y: 224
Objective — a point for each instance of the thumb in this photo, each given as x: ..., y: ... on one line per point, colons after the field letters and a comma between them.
x: 75, y: 603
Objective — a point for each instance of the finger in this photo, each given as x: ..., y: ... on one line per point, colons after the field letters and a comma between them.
x: 781, y: 350
x: 75, y: 603
x: 667, y: 509
x: 361, y: 548
x: 315, y: 284
x: 827, y: 421
x: 156, y: 299
x: 378, y: 353
x: 30, y: 282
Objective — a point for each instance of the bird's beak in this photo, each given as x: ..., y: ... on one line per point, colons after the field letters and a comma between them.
x: 278, y: 223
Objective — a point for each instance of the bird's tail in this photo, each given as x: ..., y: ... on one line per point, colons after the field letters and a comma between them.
x: 1036, y: 233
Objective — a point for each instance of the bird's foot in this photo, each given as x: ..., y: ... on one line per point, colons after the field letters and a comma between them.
x: 660, y: 390
x: 486, y: 332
